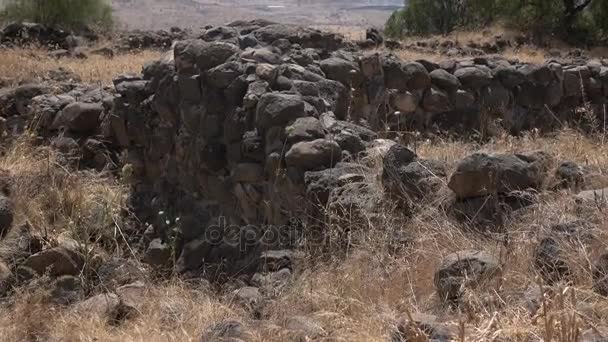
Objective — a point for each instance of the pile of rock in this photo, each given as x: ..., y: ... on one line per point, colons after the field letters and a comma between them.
x: 71, y: 116
x: 255, y: 120
x: 161, y: 39
x: 22, y: 34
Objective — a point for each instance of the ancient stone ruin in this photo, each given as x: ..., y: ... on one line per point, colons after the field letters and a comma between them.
x: 243, y: 143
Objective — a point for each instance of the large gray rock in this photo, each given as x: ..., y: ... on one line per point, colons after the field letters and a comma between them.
x: 337, y: 97
x: 436, y: 101
x: 445, y: 80
x: 350, y: 142
x: 404, y: 76
x: 158, y: 254
x: 537, y: 74
x: 509, y: 76
x: 404, y: 102
x: 536, y: 96
x: 56, y: 261
x: 198, y: 54
x: 407, y: 176
x: 313, y: 155
x: 473, y: 77
x: 43, y: 108
x: 576, y: 80
x: 394, y: 75
x: 354, y: 202
x: 275, y: 109
x: 304, y: 129
x: 319, y: 184
x: 224, y: 74
x: 483, y: 174
x: 468, y: 268
x: 340, y: 70
x: 339, y: 126
x: 462, y: 99
x: 416, y: 76
x: 261, y: 55
x: 220, y: 33
x: 14, y: 101
x: 496, y: 96
x: 485, y: 213
x: 306, y: 37
x: 78, y: 117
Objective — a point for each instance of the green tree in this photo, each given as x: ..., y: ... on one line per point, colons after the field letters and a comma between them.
x: 441, y: 16
x: 579, y: 21
x: 599, y: 17
x: 425, y: 17
x: 70, y: 14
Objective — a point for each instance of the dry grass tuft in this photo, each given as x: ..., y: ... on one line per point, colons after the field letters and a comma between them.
x: 25, y: 65
x: 173, y: 312
x: 54, y: 199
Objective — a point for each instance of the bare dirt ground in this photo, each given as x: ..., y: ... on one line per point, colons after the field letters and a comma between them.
x: 157, y: 14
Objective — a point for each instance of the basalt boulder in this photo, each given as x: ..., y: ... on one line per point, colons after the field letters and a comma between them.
x: 483, y: 174
x: 464, y: 269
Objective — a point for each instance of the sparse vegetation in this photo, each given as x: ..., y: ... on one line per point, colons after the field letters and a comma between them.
x: 67, y: 14
x: 30, y: 65
x: 575, y: 21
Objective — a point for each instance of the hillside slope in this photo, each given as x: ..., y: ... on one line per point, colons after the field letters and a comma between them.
x: 156, y: 14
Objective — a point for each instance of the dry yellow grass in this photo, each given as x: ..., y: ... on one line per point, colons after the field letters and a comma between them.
x: 25, y: 64
x: 355, y: 298
x: 530, y: 55
x: 360, y: 297
x: 54, y: 199
x: 525, y: 54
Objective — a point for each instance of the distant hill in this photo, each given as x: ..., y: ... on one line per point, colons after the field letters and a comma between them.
x: 157, y: 14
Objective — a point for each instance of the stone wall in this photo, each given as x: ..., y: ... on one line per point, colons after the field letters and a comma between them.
x: 255, y: 124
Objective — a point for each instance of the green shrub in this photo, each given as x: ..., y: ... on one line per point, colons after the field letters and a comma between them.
x: 425, y: 17
x: 69, y: 14
x: 578, y: 21
x: 599, y: 19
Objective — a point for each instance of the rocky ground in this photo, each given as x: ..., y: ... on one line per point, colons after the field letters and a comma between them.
x: 264, y: 182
